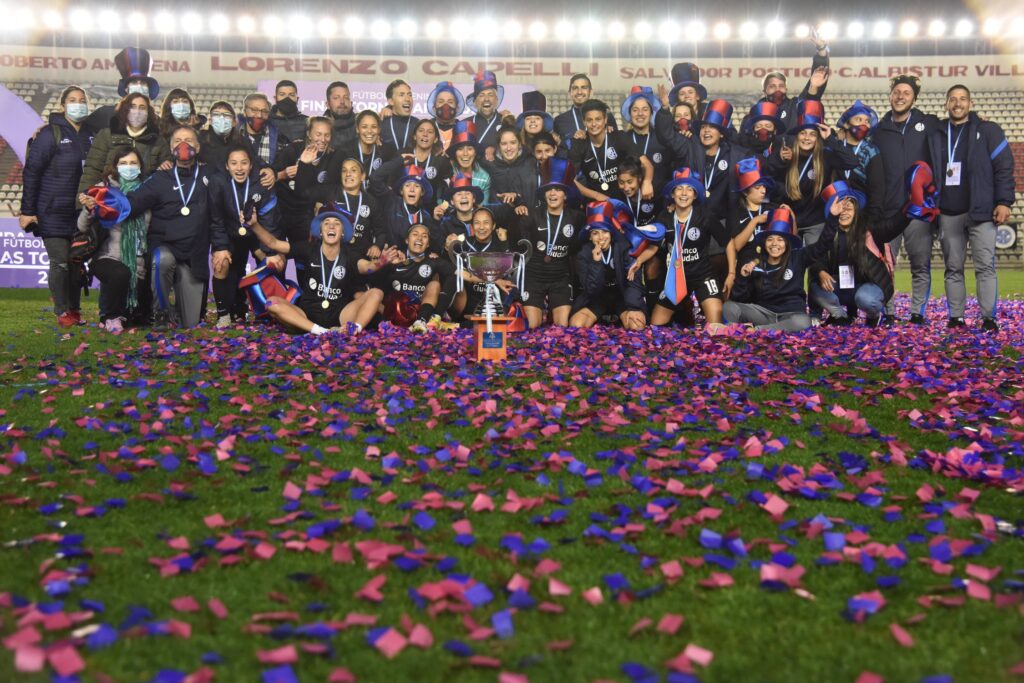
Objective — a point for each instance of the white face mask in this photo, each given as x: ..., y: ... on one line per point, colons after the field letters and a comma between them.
x: 140, y: 88
x: 221, y: 124
x: 181, y: 111
x: 76, y: 111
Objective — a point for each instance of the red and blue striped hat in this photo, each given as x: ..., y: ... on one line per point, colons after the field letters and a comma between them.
x: 764, y: 111
x: 686, y: 74
x: 464, y: 133
x: 134, y: 64
x: 718, y: 115
x: 856, y: 108
x: 484, y: 80
x: 415, y: 174
x: 686, y: 176
x: 447, y: 86
x: 556, y: 173
x: 782, y: 223
x: 608, y: 215
x: 639, y: 92
x: 840, y: 189
x: 809, y: 113
x: 749, y: 173
x: 461, y: 182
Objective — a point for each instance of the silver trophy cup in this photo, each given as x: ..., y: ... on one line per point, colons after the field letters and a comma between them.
x: 491, y: 266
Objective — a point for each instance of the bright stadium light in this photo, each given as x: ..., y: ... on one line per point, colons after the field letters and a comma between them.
x: 326, y: 27
x: 1017, y: 26
x: 721, y: 31
x: 23, y: 20
x: 53, y: 20
x: 616, y: 30
x: 668, y: 31
x: 855, y: 30
x: 433, y: 29
x: 828, y: 30
x: 192, y: 23
x: 219, y: 24
x: 642, y: 30
x: 511, y: 30
x: 590, y: 31
x: 246, y: 25
x: 748, y: 30
x: 460, y: 29
x: 81, y: 20
x: 273, y: 27
x: 564, y: 30
x: 963, y: 29
x: 908, y: 29
x: 110, y: 21
x: 538, y: 30
x: 881, y: 30
x: 164, y: 22
x: 380, y: 29
x: 936, y: 28
x: 300, y: 26
x: 137, y: 22
x: 354, y: 27
x: 991, y: 27
x: 696, y: 31
x: 802, y: 31
x: 407, y: 29
x: 774, y: 30
x: 486, y: 30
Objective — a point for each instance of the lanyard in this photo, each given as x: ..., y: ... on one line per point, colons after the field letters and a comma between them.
x: 369, y: 169
x: 949, y: 141
x: 907, y: 123
x: 607, y: 259
x: 804, y: 169
x: 323, y: 276
x: 750, y: 215
x: 601, y: 171
x: 359, y: 206
x: 426, y: 164
x: 636, y: 211
x: 558, y: 228
x: 855, y: 151
x: 480, y: 138
x: 681, y: 236
x: 234, y: 194
x: 414, y: 218
x: 647, y: 141
x: 184, y: 200
x: 487, y: 246
x: 575, y: 120
x: 394, y: 135
x: 711, y: 173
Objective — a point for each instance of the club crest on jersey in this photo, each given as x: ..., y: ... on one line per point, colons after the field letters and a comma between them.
x: 788, y: 275
x: 396, y: 285
x: 541, y: 246
x: 722, y: 165
x: 612, y: 154
x: 425, y: 270
x: 526, y: 295
x: 321, y: 177
x: 568, y: 230
x: 364, y: 211
x: 256, y: 197
x: 431, y: 172
x: 919, y: 126
x: 656, y: 157
x: 693, y: 233
x: 339, y: 272
x: 810, y: 174
x: 312, y: 283
x: 594, y: 175
x: 647, y: 207
x: 376, y: 164
x: 206, y: 180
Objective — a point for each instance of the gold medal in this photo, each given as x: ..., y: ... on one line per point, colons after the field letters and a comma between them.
x: 185, y: 211
x: 325, y: 304
x: 707, y: 193
x: 242, y: 232
x: 604, y: 187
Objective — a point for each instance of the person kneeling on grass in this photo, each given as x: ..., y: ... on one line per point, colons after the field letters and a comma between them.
x: 328, y: 267
x: 769, y: 292
x: 420, y: 287
x: 610, y: 285
x: 484, y: 237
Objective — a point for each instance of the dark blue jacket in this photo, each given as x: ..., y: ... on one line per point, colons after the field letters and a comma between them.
x: 224, y: 223
x: 989, y: 167
x: 787, y: 111
x: 394, y: 219
x: 50, y: 179
x: 594, y: 275
x: 901, y: 145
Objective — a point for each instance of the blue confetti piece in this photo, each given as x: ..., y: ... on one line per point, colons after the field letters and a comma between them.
x: 169, y: 463
x: 638, y: 673
x: 211, y: 658
x: 92, y: 605
x: 617, y: 582
x: 478, y: 595
x: 736, y: 547
x: 458, y: 648
x: 521, y: 600
x: 834, y: 541
x: 941, y: 552
x: 424, y: 521
x: 280, y: 674
x: 362, y: 520
x: 169, y: 676
x: 102, y: 637
x: 502, y: 623
x: 710, y: 539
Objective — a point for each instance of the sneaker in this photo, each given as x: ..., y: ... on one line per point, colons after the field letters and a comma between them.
x: 68, y: 319
x: 437, y: 323
x: 956, y: 322
x: 989, y: 325
x: 419, y: 327
x: 917, y: 319
x: 223, y: 322
x: 113, y: 325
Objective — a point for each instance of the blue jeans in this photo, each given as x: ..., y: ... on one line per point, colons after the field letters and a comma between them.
x: 844, y: 303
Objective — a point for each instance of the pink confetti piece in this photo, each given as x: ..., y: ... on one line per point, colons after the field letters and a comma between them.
x: 65, y: 660
x: 509, y: 677
x: 264, y: 550
x: 29, y: 659
x: 217, y: 608
x: 291, y: 491
x: 185, y: 603
x: 641, y: 625
x: 979, y: 591
x: 421, y: 637
x: 482, y: 503
x: 775, y: 506
x: 869, y: 677
x: 371, y: 589
x: 390, y: 643
x: 671, y: 570
x: 558, y: 589
x: 282, y: 655
x: 670, y: 623
x: 593, y: 595
x: 901, y: 635
x: 985, y: 574
x: 214, y: 521
x: 698, y: 655
x: 341, y: 675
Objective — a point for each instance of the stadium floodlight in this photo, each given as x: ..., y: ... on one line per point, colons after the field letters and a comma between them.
x: 137, y: 22
x: 433, y: 29
x: 909, y: 29
x: 538, y: 30
x: 164, y: 22
x: 564, y: 30
x: 721, y: 30
x: 460, y: 29
x: 616, y: 30
x: 1017, y: 26
x: 991, y: 27
x: 300, y: 26
x: 642, y: 30
x: 326, y: 27
x: 407, y: 29
x: 110, y: 21
x: 192, y: 23
x: 486, y: 30
x: 273, y: 27
x: 828, y: 30
x: 881, y: 30
x: 855, y: 30
x: 23, y: 20
x: 380, y: 29
x: 748, y: 30
x: 511, y: 30
x: 246, y: 25
x: 354, y: 27
x: 668, y: 31
x: 81, y: 20
x: 802, y: 31
x: 696, y: 31
x: 219, y: 24
x: 963, y: 29
x: 590, y: 31
x: 936, y: 28
x: 774, y: 30
x: 53, y: 20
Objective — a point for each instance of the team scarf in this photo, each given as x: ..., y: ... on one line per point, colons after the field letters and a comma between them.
x: 133, y: 236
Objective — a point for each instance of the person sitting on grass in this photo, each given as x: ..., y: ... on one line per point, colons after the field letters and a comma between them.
x: 485, y: 236
x: 326, y: 302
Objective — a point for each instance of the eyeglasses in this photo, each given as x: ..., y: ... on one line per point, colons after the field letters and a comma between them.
x: 257, y: 112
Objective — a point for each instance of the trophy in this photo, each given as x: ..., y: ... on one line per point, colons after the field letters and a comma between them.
x: 490, y: 321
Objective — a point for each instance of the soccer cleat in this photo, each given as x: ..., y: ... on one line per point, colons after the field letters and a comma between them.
x: 419, y: 327
x: 223, y: 322
x: 67, y: 319
x: 956, y: 322
x: 917, y: 319
x: 989, y: 325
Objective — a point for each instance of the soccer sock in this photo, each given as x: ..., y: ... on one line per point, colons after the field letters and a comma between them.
x: 426, y: 311
x: 317, y: 330
x: 222, y: 293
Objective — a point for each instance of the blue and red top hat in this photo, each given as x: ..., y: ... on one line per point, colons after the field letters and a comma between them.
x: 262, y: 284
x: 464, y: 133
x: 782, y: 223
x: 840, y: 189
x: 856, y: 108
x: 765, y: 111
x: 556, y: 173
x: 610, y: 215
x: 809, y: 113
x: 718, y: 115
x: 112, y: 206
x: 923, y: 196
x: 686, y: 176
x: 415, y: 174
x: 484, y: 80
x: 749, y: 174
x: 332, y: 210
x: 447, y: 86
x: 461, y: 182
x: 686, y: 74
x: 535, y: 104
x: 638, y: 92
x: 134, y: 64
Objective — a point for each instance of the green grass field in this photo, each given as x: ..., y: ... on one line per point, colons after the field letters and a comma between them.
x: 617, y: 451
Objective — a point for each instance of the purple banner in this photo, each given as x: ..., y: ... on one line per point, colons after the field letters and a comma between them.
x: 23, y: 261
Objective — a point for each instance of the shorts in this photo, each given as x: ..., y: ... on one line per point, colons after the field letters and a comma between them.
x: 610, y: 303
x: 699, y: 281
x: 557, y: 292
x: 324, y: 317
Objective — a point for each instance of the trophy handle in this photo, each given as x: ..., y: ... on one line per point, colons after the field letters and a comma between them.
x: 526, y: 247
x: 455, y: 249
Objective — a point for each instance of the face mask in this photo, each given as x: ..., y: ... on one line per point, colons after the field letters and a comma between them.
x: 140, y: 88
x: 221, y: 124
x: 128, y: 172
x: 683, y: 125
x: 184, y: 152
x: 256, y: 124
x: 137, y: 118
x: 288, y: 107
x: 76, y: 111
x: 858, y: 133
x: 181, y: 111
x: 763, y: 134
x: 446, y: 112
x: 777, y: 97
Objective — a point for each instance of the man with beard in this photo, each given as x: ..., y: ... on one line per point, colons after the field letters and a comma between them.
x: 342, y: 117
x: 571, y: 120
x: 285, y: 113
x: 484, y: 101
x: 398, y: 123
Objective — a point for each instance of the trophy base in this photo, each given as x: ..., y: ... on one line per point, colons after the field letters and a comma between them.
x: 490, y: 345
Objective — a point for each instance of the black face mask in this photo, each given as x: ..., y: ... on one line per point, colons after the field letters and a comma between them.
x: 288, y: 107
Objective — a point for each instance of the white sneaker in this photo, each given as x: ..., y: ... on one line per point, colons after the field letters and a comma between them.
x: 419, y: 327
x: 223, y: 322
x: 114, y: 325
